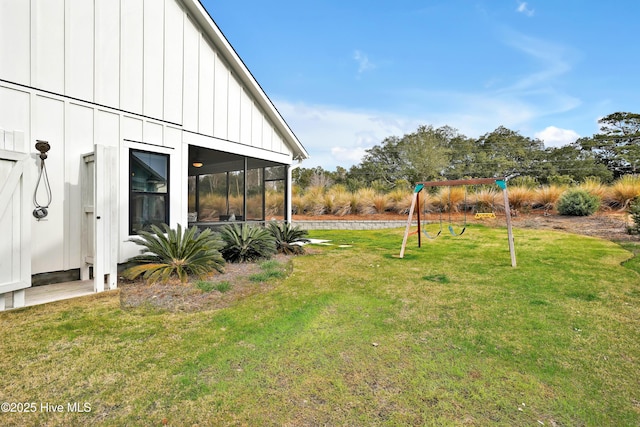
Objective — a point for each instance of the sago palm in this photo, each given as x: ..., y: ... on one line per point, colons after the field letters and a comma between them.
x: 246, y: 243
x: 170, y: 252
x: 288, y: 238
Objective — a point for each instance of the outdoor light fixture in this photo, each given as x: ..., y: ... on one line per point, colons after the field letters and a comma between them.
x: 197, y: 164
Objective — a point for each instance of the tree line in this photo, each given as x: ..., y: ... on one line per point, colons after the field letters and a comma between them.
x: 431, y: 154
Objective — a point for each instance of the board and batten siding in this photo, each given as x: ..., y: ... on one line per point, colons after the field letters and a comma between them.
x: 145, y: 57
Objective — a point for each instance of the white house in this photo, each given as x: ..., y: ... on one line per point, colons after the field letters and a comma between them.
x: 150, y: 116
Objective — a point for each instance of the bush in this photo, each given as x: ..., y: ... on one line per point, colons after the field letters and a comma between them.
x: 288, y: 238
x: 578, y: 203
x: 168, y: 252
x: 246, y: 243
x: 634, y: 211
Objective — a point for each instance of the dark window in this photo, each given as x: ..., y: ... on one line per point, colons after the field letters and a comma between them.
x: 149, y: 190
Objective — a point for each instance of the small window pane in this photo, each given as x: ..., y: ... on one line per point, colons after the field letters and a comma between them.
x: 213, y: 196
x: 236, y: 195
x: 255, y: 195
x: 275, y: 196
x: 148, y: 172
x: 274, y: 172
x: 147, y: 210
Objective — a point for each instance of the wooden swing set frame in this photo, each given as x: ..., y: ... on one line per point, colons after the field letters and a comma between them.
x: 501, y: 182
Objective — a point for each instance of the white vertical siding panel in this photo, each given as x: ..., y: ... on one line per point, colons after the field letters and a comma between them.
x: 153, y: 84
x: 256, y: 127
x: 48, y: 124
x: 78, y: 141
x: 221, y: 99
x: 107, y: 53
x: 131, y: 65
x: 49, y: 45
x: 79, y: 49
x: 152, y: 133
x: 279, y: 144
x: 233, y: 111
x: 267, y: 135
x: 15, y: 41
x: 173, y: 57
x: 131, y: 128
x: 206, y: 78
x: 15, y: 111
x: 246, y: 109
x: 191, y: 71
x: 107, y: 130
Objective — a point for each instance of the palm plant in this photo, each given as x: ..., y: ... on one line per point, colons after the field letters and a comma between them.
x: 171, y: 252
x: 288, y: 238
x: 243, y: 243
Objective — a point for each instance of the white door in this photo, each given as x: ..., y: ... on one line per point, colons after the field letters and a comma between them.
x: 100, y: 217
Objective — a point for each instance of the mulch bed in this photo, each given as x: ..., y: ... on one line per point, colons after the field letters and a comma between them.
x: 177, y: 297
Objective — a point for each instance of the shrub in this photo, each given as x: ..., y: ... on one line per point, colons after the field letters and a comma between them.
x: 288, y: 238
x: 547, y: 196
x: 338, y: 200
x: 168, y: 252
x: 634, y: 211
x: 381, y: 203
x: 624, y: 190
x: 578, y: 203
x: 400, y: 200
x: 486, y: 200
x: 313, y: 202
x: 524, y: 181
x: 243, y: 243
x: 451, y: 198
x: 365, y: 201
x: 520, y: 197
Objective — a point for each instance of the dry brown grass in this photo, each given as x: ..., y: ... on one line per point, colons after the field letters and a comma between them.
x: 364, y: 201
x: 451, y: 198
x: 547, y: 196
x: 488, y: 200
x: 338, y: 200
x: 401, y: 200
x: 624, y: 190
x: 313, y: 201
x: 519, y: 197
x: 596, y: 188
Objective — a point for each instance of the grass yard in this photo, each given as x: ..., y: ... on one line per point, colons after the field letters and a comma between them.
x: 449, y: 335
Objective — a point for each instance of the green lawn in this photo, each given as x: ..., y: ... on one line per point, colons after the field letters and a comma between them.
x: 449, y: 335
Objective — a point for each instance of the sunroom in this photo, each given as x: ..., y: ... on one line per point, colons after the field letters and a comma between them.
x: 225, y: 187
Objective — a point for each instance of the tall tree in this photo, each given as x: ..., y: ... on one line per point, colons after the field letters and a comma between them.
x: 617, y: 146
x: 503, y: 152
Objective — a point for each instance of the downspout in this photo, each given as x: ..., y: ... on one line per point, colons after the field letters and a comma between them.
x: 288, y: 206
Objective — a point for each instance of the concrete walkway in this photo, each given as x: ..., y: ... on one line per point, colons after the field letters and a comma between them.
x: 48, y: 293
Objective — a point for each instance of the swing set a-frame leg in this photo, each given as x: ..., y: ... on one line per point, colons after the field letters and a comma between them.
x: 409, y: 220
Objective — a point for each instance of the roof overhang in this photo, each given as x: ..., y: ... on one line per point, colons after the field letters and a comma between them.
x: 200, y: 15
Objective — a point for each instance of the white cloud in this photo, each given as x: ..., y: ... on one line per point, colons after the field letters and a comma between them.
x: 554, y: 59
x: 336, y: 136
x: 524, y: 8
x: 363, y: 62
x: 556, y: 137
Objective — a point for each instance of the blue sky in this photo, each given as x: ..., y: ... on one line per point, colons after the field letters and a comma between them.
x: 345, y: 74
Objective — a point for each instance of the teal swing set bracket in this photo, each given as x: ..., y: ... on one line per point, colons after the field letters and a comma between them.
x: 500, y: 182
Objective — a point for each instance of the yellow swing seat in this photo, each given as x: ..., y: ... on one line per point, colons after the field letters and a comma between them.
x: 484, y: 215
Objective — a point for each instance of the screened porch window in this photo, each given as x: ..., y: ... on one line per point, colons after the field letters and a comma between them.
x: 149, y: 190
x: 229, y: 187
